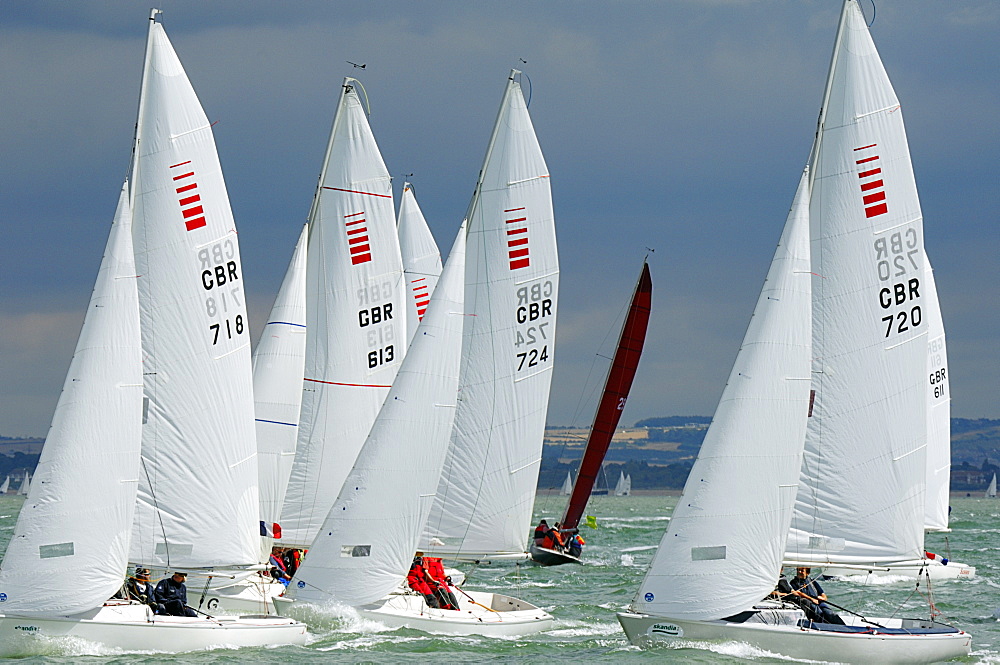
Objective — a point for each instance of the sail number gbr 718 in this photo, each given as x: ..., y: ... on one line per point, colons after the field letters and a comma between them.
x: 533, y: 313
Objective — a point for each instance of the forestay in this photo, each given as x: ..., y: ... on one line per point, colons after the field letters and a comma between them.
x: 356, y: 318
x: 861, y: 498
x: 938, y: 411
x: 723, y: 547
x: 488, y: 486
x: 421, y: 259
x: 198, y: 501
x: 367, y: 542
x: 278, y: 363
x: 69, y: 551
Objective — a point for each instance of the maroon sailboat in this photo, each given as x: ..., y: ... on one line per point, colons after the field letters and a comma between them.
x: 609, y: 412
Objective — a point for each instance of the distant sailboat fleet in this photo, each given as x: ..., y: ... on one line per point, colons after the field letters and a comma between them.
x: 390, y: 418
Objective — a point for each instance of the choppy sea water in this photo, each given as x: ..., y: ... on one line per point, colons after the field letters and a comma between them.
x: 584, y: 599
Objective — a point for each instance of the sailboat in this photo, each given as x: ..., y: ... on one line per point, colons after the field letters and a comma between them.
x: 5, y: 485
x: 197, y: 505
x: 624, y: 486
x: 25, y: 484
x: 752, y: 498
x: 355, y: 317
x: 567, y: 486
x: 617, y: 385
x: 483, y: 503
x: 991, y: 491
x: 421, y: 259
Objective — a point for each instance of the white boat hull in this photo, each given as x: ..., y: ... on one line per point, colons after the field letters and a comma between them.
x: 932, y: 569
x: 491, y: 614
x: 132, y: 627
x: 782, y: 635
x: 254, y: 595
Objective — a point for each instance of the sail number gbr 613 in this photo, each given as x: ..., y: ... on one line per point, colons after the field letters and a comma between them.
x: 534, y: 314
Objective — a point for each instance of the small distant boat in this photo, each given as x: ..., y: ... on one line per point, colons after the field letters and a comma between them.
x: 991, y: 491
x: 567, y: 487
x: 5, y: 485
x: 25, y: 484
x: 624, y: 486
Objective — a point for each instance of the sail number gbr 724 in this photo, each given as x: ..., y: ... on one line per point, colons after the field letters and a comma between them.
x: 533, y: 313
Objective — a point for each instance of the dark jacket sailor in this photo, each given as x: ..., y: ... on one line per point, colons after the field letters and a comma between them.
x: 812, y: 599
x: 172, y: 594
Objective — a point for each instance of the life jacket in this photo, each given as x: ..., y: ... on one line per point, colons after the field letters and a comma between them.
x: 435, y: 569
x: 415, y: 578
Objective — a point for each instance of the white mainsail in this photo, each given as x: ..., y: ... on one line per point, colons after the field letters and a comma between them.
x: 730, y: 522
x: 5, y: 485
x: 938, y: 412
x: 367, y: 542
x: 356, y: 318
x: 69, y: 551
x: 484, y: 502
x: 421, y: 259
x: 25, y: 484
x: 278, y: 363
x: 198, y: 498
x: 620, y: 485
x: 991, y: 491
x: 861, y: 497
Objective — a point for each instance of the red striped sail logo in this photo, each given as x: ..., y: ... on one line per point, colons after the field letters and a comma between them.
x: 517, y: 239
x: 420, y: 295
x: 357, y: 238
x: 872, y: 187
x: 187, y: 190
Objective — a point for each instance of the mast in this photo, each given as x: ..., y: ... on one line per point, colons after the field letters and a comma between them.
x: 616, y: 389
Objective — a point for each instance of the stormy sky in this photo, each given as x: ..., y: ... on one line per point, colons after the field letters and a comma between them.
x: 678, y: 125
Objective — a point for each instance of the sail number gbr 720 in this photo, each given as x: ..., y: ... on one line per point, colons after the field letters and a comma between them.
x: 898, y: 261
x: 534, y: 313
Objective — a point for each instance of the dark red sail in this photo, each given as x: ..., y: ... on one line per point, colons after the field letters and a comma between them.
x: 616, y: 389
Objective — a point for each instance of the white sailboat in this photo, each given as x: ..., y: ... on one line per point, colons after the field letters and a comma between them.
x: 355, y: 317
x: 198, y: 498
x: 5, y: 485
x: 421, y: 259
x: 486, y: 495
x: 624, y: 485
x: 567, y: 486
x: 861, y: 501
x: 991, y: 491
x: 25, y: 484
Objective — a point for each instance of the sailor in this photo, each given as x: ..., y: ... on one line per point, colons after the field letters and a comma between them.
x: 278, y: 569
x: 440, y: 583
x: 553, y: 539
x: 576, y: 543
x: 417, y: 580
x: 171, y: 593
x: 139, y: 588
x: 540, y: 531
x: 812, y: 599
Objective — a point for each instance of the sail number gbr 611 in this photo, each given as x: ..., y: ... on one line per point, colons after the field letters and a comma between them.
x: 534, y: 313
